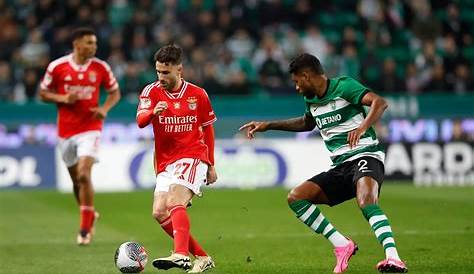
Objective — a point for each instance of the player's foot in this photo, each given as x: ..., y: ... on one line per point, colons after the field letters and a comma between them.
x: 201, y: 264
x: 392, y: 266
x: 84, y: 238
x: 175, y: 260
x: 343, y: 255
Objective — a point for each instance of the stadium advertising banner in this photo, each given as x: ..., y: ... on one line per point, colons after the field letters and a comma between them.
x: 27, y: 167
x: 239, y: 163
x: 431, y: 164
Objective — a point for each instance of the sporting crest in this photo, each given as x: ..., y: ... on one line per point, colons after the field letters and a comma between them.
x: 192, y: 103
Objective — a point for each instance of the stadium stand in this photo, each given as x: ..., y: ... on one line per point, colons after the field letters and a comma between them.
x: 243, y: 47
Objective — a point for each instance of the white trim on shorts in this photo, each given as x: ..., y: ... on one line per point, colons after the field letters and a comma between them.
x: 79, y: 145
x: 188, y: 172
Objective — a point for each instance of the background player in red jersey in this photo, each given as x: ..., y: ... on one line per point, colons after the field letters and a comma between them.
x: 182, y: 117
x: 73, y: 83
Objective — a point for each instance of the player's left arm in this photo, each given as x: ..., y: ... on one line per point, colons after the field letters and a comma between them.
x: 113, y: 96
x: 377, y: 106
x: 207, y: 118
x: 209, y: 140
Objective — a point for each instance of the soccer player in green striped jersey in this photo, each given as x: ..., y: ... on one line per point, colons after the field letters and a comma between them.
x: 336, y: 107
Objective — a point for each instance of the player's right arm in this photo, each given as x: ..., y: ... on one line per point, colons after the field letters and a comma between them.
x: 147, y: 110
x: 47, y: 90
x: 49, y: 96
x: 299, y: 124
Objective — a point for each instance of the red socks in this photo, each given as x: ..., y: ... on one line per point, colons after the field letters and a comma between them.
x: 87, y: 218
x: 178, y: 227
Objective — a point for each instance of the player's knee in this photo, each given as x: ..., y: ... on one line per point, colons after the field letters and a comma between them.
x: 366, y: 199
x: 83, y: 177
x: 160, y: 214
x: 293, y: 196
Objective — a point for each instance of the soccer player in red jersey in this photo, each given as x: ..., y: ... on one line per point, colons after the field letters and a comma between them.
x: 182, y: 118
x: 73, y: 83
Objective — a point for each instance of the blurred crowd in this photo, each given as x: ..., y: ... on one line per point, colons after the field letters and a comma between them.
x: 243, y: 47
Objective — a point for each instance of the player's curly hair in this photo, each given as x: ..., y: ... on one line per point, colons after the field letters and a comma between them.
x: 306, y: 61
x: 171, y: 54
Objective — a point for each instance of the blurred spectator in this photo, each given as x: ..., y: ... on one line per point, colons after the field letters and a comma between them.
x: 130, y: 84
x: 425, y: 62
x: 35, y: 52
x: 6, y: 82
x: 301, y: 13
x: 451, y: 55
x: 27, y: 88
x: 462, y: 82
x: 315, y: 43
x: 438, y: 81
x: 240, y: 44
x: 389, y: 81
x: 230, y: 75
x: 412, y: 81
x: 349, y: 63
x: 270, y: 64
x: 453, y: 25
x: 425, y: 26
x: 290, y: 43
x: 209, y: 81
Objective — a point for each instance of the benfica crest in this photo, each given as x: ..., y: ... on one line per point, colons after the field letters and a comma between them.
x: 92, y: 76
x: 192, y: 103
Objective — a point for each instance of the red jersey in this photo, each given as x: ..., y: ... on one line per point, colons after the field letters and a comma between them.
x: 178, y: 129
x: 64, y: 76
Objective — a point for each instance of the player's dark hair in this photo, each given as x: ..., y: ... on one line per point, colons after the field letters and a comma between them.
x: 80, y: 32
x: 171, y: 54
x: 306, y: 61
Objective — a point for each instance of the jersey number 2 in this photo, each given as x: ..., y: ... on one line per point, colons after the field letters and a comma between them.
x: 362, y: 165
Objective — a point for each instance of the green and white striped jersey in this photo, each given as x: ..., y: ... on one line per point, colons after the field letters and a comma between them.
x: 337, y: 113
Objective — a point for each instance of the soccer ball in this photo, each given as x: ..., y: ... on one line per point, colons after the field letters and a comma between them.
x: 131, y: 257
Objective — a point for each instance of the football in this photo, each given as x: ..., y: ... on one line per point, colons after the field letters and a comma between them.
x: 131, y: 257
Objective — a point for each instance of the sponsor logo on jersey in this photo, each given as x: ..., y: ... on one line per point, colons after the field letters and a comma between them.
x: 92, y: 76
x: 68, y: 78
x: 333, y: 105
x: 145, y: 102
x: 321, y: 122
x: 83, y: 92
x: 176, y: 120
x: 192, y: 103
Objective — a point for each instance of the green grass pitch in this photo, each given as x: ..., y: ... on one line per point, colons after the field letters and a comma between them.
x: 246, y: 231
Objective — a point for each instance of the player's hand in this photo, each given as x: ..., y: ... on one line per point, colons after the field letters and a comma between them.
x: 70, y: 98
x: 253, y: 127
x: 354, y: 136
x: 211, y: 175
x: 98, y: 113
x: 160, y: 107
